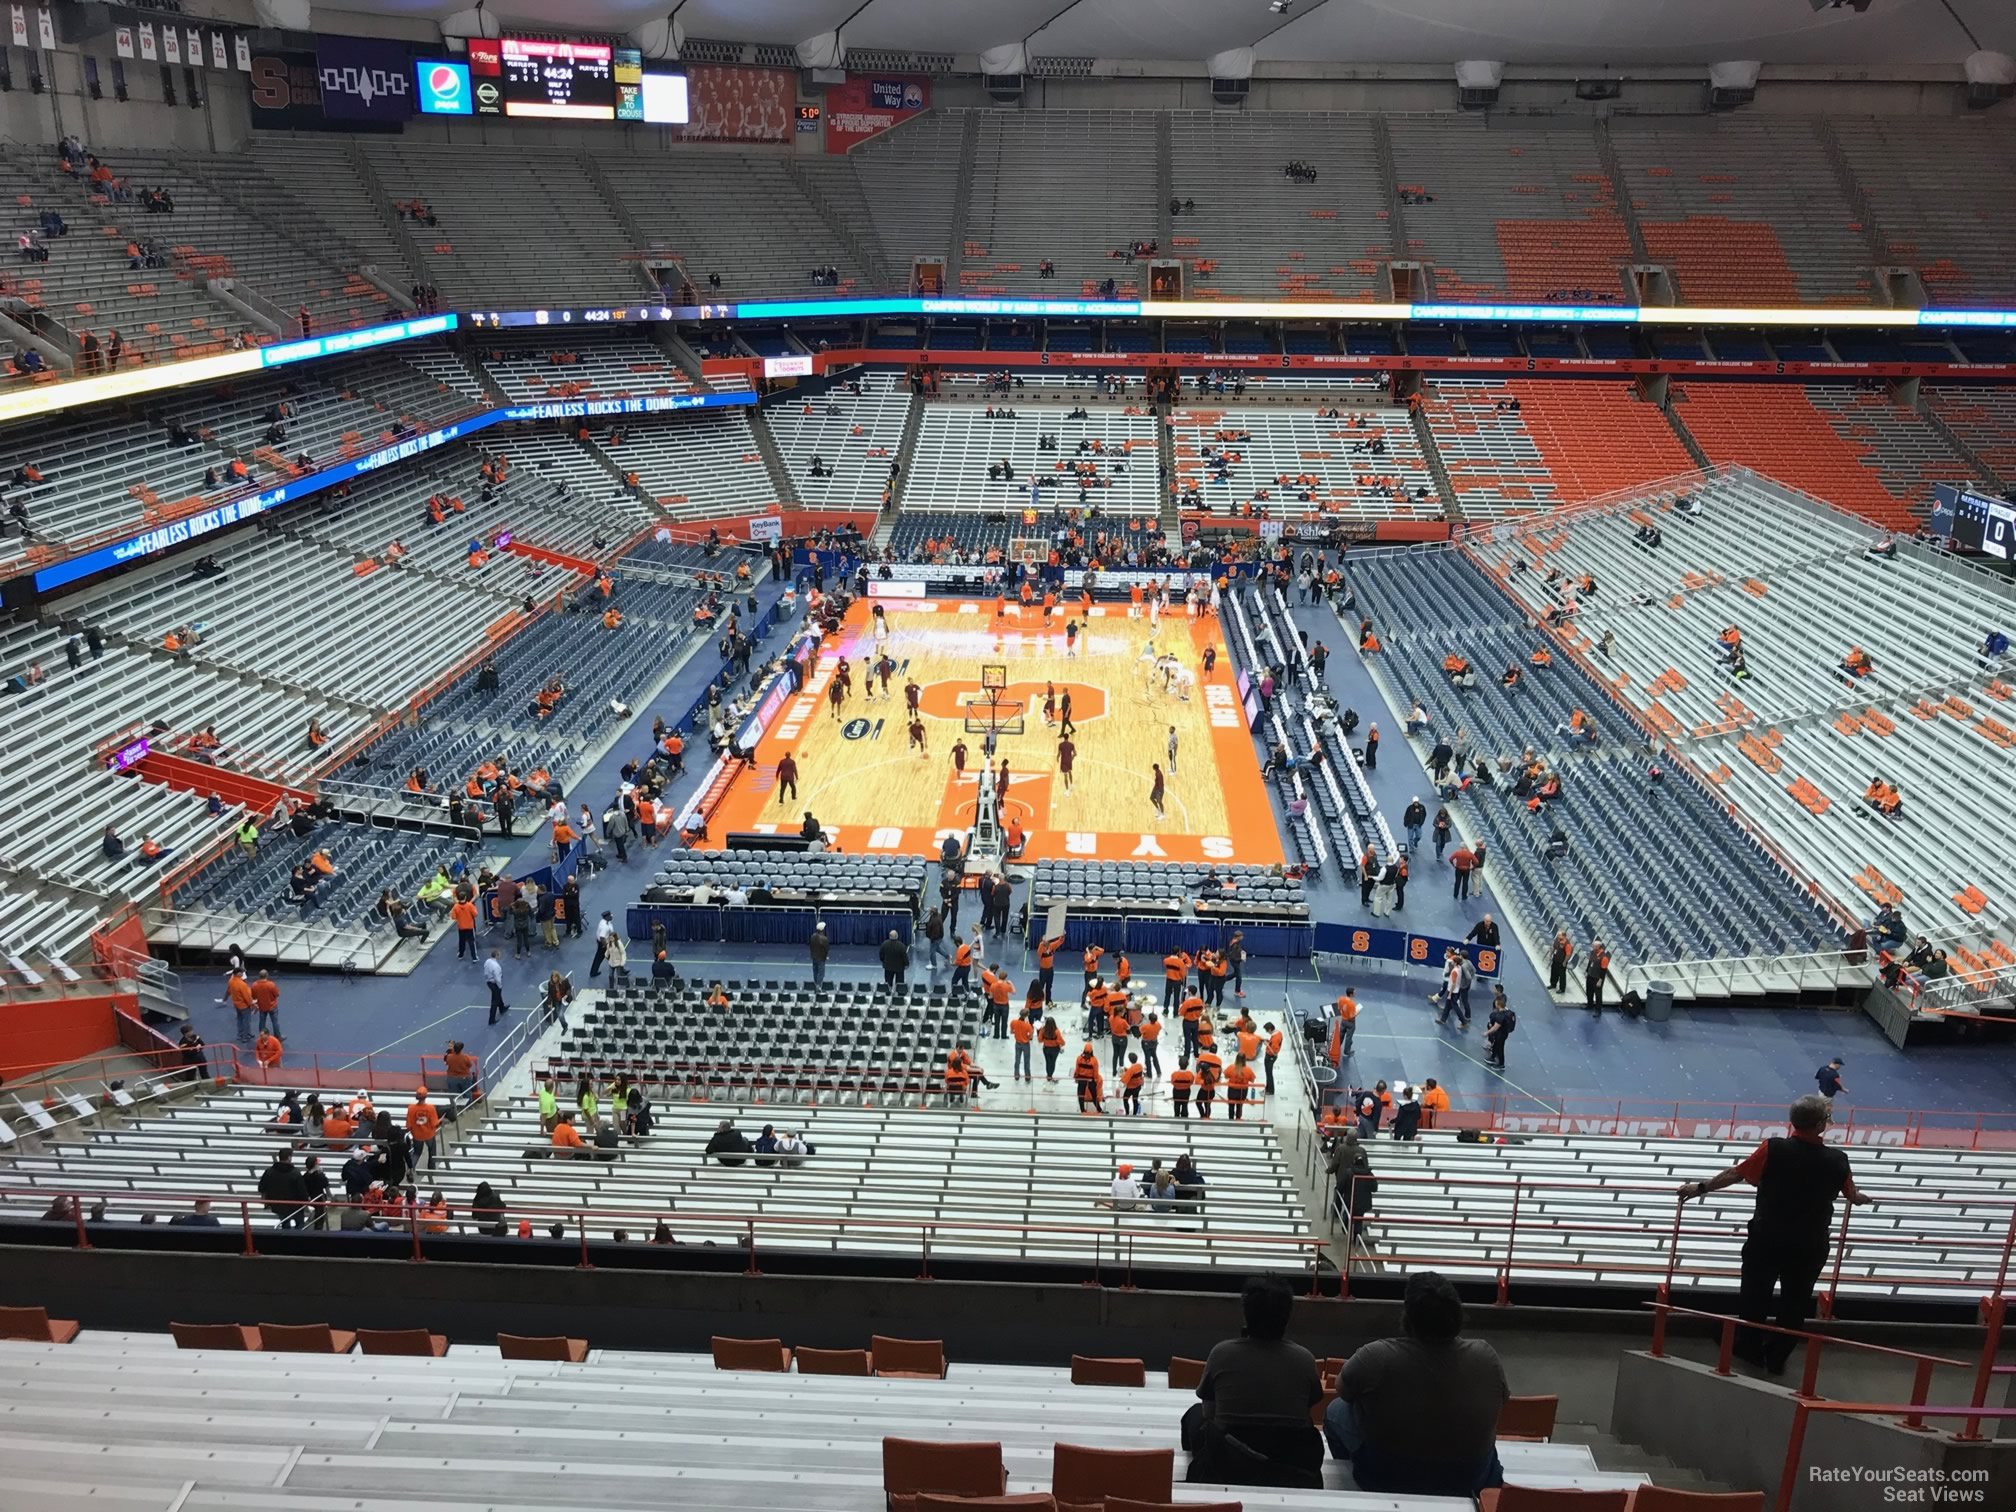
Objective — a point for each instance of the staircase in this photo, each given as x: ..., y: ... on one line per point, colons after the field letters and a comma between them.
x: 599, y: 181
x: 1620, y: 194
x: 666, y: 338
x: 1165, y: 452
x: 1389, y: 186
x: 1686, y: 436
x: 773, y: 462
x: 1165, y: 176
x: 969, y: 154
x: 863, y: 247
x: 1982, y: 471
x: 374, y: 188
x: 1851, y: 190
x: 1612, y: 1453
x: 906, y: 449
x: 1452, y: 511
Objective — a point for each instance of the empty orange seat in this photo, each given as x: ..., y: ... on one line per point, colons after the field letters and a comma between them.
x: 1184, y: 1374
x: 306, y: 1338
x: 840, y: 1362
x: 214, y: 1336
x: 919, y: 1358
x: 1660, y: 1499
x: 1079, y: 1474
x: 1528, y: 1417
x: 1025, y: 1501
x: 751, y: 1354
x: 558, y: 1347
x: 402, y: 1341
x: 1530, y: 1499
x: 1128, y: 1504
x: 34, y: 1323
x: 1087, y: 1370
x: 914, y: 1466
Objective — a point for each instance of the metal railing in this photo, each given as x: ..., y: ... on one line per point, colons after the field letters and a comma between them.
x: 1725, y: 976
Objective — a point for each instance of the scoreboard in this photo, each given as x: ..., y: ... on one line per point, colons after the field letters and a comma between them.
x: 573, y: 81
x: 1975, y: 522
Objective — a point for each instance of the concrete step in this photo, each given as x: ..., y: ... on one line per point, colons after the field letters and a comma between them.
x: 1613, y: 1453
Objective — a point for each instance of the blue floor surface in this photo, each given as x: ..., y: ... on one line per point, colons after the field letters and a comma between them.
x: 1699, y: 1056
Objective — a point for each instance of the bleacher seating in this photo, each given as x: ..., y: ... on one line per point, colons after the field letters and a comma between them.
x: 1126, y: 885
x: 958, y: 441
x: 1984, y: 419
x: 1485, y: 448
x: 1274, y: 236
x: 1074, y: 186
x: 1743, y: 211
x: 909, y: 181
x: 855, y: 437
x: 1596, y: 438
x: 828, y: 877
x: 1622, y: 875
x: 1942, y: 192
x: 542, y: 366
x: 1292, y: 443
x: 1794, y: 744
x: 1520, y: 211
x: 1783, y: 433
x: 486, y: 1423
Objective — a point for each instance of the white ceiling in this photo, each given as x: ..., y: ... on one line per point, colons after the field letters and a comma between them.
x: 1589, y: 33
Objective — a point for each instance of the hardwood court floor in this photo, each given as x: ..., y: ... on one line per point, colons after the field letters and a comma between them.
x: 870, y: 788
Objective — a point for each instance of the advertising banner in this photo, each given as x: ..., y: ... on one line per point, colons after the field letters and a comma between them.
x: 365, y: 79
x: 866, y: 107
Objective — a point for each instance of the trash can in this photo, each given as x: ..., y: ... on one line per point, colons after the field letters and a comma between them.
x: 1658, y: 1001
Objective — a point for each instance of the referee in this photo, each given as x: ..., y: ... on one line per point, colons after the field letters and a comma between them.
x: 1797, y: 1180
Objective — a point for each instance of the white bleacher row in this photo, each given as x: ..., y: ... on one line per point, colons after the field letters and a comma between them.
x: 855, y: 436
x: 545, y: 365
x: 909, y: 181
x: 1290, y: 442
x: 1069, y: 185
x: 1944, y: 193
x: 1300, y: 240
x: 323, y: 167
x: 695, y: 466
x: 957, y: 442
x: 87, y: 284
x: 40, y: 930
x: 282, y: 251
x: 877, y: 1176
x: 695, y: 206
x: 1983, y: 418
x: 1918, y: 619
x: 472, y: 1432
x: 1897, y: 444
x: 1689, y: 176
x: 520, y: 228
x: 1486, y: 450
x: 1600, y: 1209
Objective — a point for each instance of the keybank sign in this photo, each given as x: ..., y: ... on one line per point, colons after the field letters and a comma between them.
x: 365, y: 78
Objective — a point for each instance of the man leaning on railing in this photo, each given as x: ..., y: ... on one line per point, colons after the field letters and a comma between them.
x: 1797, y: 1180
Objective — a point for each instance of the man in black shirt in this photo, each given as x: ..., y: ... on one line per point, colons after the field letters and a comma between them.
x: 1250, y: 1426
x: 1797, y: 1180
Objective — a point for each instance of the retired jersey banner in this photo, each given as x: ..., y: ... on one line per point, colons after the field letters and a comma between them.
x: 20, y: 20
x: 866, y: 107
x: 122, y: 41
x: 45, y: 27
x: 150, y: 52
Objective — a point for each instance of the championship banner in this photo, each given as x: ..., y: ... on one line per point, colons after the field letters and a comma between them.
x: 865, y: 107
x: 365, y: 79
x: 735, y: 104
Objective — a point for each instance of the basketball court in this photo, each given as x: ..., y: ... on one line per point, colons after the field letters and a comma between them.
x: 983, y: 679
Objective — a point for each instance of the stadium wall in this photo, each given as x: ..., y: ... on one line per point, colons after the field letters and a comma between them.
x: 39, y: 1034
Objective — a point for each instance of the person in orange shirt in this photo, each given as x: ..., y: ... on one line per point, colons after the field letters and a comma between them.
x: 1116, y: 1026
x: 1210, y: 1071
x: 1343, y: 1028
x: 1181, y: 1080
x: 423, y: 1122
x: 1238, y: 1085
x: 1434, y: 1103
x: 338, y: 1125
x: 1046, y: 962
x: 958, y: 1077
x: 1023, y: 1033
x: 1207, y: 1035
x: 998, y: 997
x: 1273, y: 1055
x: 239, y: 992
x: 433, y: 1217
x: 1091, y: 1088
x: 1248, y: 1039
x: 267, y: 1050
x: 717, y: 996
x: 962, y: 965
x: 266, y: 1000
x: 463, y: 913
x: 1092, y: 955
x: 1123, y: 971
x: 1151, y: 1044
x: 1051, y: 1038
x: 566, y: 1136
x: 1175, y: 972
x: 1131, y: 1077
x: 1192, y: 1013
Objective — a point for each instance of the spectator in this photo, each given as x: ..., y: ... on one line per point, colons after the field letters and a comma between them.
x: 1351, y: 1171
x: 1127, y: 1192
x: 486, y: 1209
x: 198, y: 1216
x: 284, y: 1192
x: 1250, y: 1426
x: 895, y: 959
x: 1797, y: 1180
x: 566, y: 1137
x: 729, y: 1146
x: 1418, y: 1415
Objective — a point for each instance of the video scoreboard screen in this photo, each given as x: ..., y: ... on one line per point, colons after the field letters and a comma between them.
x: 1985, y: 524
x: 574, y: 81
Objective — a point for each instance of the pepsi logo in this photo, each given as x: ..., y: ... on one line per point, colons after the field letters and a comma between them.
x: 444, y: 82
